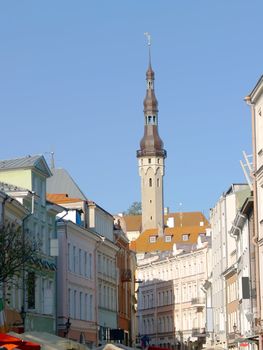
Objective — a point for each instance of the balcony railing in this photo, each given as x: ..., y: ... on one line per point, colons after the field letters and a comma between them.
x: 198, y: 301
x: 126, y: 275
x: 198, y: 332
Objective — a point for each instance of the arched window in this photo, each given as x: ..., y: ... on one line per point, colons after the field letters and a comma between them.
x: 150, y: 182
x: 158, y: 182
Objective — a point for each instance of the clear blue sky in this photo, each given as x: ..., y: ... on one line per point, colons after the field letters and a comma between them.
x: 72, y: 81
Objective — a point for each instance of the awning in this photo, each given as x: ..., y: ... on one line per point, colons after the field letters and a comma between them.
x: 248, y: 340
x: 8, y: 341
x: 50, y: 341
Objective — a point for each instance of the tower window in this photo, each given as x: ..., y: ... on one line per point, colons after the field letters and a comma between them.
x: 149, y: 119
x: 158, y: 182
x: 150, y: 201
x: 151, y: 217
x: 154, y: 119
x: 149, y: 160
x: 158, y: 160
x: 150, y: 182
x: 141, y: 161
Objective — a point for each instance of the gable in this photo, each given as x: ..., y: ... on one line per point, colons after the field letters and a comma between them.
x: 41, y: 165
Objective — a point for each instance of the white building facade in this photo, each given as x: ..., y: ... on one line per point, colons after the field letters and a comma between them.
x: 171, y: 308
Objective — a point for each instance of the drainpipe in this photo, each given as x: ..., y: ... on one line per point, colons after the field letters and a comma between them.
x: 56, y: 272
x: 23, y: 307
x: 255, y: 211
x: 97, y: 245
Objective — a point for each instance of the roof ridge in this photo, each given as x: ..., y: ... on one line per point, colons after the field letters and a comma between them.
x: 19, y: 158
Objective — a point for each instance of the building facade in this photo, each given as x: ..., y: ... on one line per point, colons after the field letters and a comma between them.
x: 223, y: 263
x: 255, y: 101
x: 171, y: 307
x: 25, y: 180
x: 93, y: 235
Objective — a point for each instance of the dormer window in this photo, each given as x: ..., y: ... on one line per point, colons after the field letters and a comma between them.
x: 168, y: 238
x: 185, y: 237
x: 152, y: 239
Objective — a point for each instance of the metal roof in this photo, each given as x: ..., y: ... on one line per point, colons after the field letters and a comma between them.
x: 36, y: 161
x: 62, y: 182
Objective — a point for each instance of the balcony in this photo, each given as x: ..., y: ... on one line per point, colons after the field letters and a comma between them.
x: 126, y: 275
x: 198, y: 332
x: 198, y: 302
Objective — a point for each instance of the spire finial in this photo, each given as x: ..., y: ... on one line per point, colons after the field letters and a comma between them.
x: 148, y: 36
x: 52, y: 163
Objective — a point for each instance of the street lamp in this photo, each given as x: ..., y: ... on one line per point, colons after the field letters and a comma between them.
x: 67, y: 325
x: 235, y: 328
x: 23, y: 315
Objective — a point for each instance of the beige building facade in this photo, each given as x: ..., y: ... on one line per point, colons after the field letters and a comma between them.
x: 171, y: 308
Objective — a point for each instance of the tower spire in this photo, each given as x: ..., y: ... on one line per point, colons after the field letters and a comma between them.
x: 151, y: 156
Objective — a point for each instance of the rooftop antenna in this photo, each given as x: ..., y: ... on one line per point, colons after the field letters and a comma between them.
x: 52, y: 160
x: 181, y: 214
x: 247, y: 168
x: 148, y: 36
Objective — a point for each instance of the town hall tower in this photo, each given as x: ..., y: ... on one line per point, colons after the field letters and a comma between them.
x: 151, y: 156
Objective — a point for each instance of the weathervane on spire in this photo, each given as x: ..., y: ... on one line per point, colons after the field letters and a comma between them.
x: 148, y: 36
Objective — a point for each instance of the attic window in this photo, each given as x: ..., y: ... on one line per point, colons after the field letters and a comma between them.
x: 152, y: 239
x: 168, y: 238
x: 185, y: 237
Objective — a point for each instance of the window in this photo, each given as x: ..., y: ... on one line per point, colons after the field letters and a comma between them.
x: 69, y: 302
x: 152, y: 239
x: 47, y: 296
x: 150, y: 182
x: 158, y: 182
x: 90, y: 307
x: 168, y: 238
x: 74, y: 259
x: 31, y: 288
x: 154, y: 119
x: 81, y: 306
x: 80, y: 262
x: 69, y: 257
x: 75, y: 305
x: 185, y: 237
x: 85, y: 265
x: 149, y: 160
x: 90, y: 266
